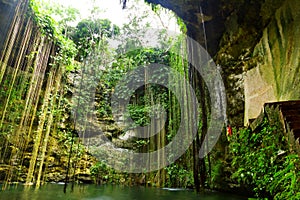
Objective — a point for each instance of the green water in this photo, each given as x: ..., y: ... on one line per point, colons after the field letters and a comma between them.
x: 108, y: 192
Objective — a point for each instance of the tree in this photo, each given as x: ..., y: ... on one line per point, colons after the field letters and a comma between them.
x: 89, y: 32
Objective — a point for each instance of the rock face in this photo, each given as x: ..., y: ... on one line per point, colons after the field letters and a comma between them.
x: 193, y: 13
x: 276, y: 77
x: 243, y: 35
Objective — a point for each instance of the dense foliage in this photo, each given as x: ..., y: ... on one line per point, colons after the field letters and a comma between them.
x: 88, y: 33
x: 260, y: 159
x: 52, y: 29
x: 179, y: 174
x: 263, y: 163
x: 88, y: 43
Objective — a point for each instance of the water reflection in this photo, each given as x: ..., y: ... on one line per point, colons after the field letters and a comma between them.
x: 108, y: 192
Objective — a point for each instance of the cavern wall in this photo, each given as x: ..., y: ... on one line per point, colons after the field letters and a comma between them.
x: 276, y: 77
x: 254, y: 42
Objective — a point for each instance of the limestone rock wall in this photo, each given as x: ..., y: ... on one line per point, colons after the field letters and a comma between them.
x: 242, y: 35
x: 276, y: 77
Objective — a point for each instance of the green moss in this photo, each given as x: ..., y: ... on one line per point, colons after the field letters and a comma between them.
x: 279, y: 53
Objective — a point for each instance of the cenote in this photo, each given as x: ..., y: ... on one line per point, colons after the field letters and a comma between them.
x: 109, y: 192
x: 149, y: 96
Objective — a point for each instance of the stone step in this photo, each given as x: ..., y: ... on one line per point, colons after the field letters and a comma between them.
x: 291, y: 113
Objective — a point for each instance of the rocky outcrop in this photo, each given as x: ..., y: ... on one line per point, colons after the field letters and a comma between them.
x: 242, y: 35
x: 193, y: 13
x: 55, y: 164
x: 276, y: 76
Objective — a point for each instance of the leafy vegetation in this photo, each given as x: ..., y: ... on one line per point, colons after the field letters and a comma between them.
x: 88, y: 33
x: 53, y: 30
x: 261, y: 162
x: 260, y: 159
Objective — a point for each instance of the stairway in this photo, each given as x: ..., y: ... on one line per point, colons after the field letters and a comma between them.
x: 291, y: 113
